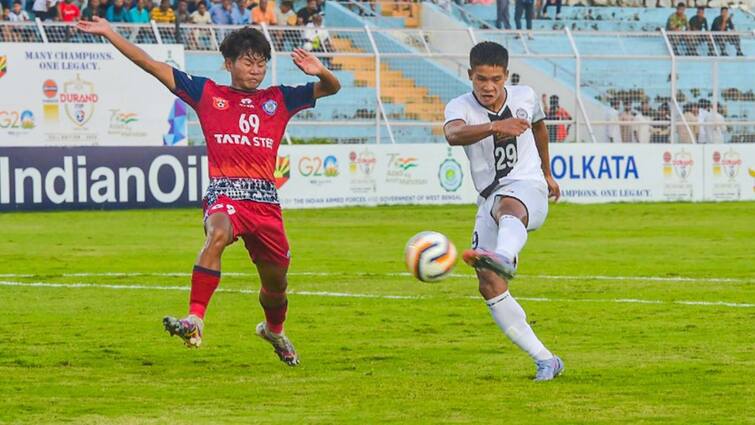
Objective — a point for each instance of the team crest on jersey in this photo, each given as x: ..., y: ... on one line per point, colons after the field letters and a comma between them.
x: 521, y: 113
x: 219, y: 103
x: 246, y: 103
x: 270, y: 107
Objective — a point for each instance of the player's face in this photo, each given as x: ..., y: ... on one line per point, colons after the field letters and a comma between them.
x: 247, y: 71
x: 487, y: 84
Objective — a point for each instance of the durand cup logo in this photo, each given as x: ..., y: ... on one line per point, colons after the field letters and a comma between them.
x: 79, y: 100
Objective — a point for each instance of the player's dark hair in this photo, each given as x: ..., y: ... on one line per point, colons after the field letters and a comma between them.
x: 488, y: 53
x: 243, y: 42
x: 288, y: 3
x: 700, y: 7
x: 680, y: 4
x: 724, y: 8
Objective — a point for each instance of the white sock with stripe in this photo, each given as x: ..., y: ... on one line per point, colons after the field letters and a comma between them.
x: 512, y: 320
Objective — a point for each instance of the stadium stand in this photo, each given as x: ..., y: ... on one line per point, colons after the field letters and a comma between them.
x: 399, y: 69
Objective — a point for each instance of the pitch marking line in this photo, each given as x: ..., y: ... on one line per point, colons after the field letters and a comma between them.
x: 459, y: 275
x: 353, y: 295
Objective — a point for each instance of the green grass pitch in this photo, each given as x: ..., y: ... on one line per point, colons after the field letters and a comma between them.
x: 652, y: 308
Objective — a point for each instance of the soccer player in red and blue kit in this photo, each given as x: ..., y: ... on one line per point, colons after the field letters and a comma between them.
x: 243, y: 126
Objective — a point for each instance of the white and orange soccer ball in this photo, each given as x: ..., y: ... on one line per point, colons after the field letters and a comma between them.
x: 430, y: 256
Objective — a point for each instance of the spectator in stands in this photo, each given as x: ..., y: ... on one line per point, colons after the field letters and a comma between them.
x: 222, y: 13
x: 17, y: 13
x: 264, y: 14
x: 240, y: 13
x: 45, y: 10
x: 94, y: 8
x: 558, y: 8
x: 723, y: 23
x: 526, y: 7
x: 641, y: 128
x: 201, y: 16
x: 193, y: 5
x: 659, y: 133
x: 625, y: 121
x: 69, y: 11
x: 182, y: 12
x: 285, y: 15
x: 163, y: 14
x: 321, y: 7
x: 116, y: 12
x: 502, y: 14
x: 305, y: 14
x: 702, y: 115
x: 316, y: 39
x: 138, y: 14
x: 699, y: 23
x: 677, y: 22
x: 557, y: 133
x: 613, y: 129
x: 716, y: 127
x: 689, y: 119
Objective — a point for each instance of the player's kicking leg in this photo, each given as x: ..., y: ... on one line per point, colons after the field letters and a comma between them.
x: 204, y: 280
x: 494, y: 269
x: 275, y: 304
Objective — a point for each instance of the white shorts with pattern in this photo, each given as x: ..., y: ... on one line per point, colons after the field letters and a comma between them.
x: 532, y: 193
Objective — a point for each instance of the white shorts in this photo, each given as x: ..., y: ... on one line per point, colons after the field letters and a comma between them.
x: 532, y: 193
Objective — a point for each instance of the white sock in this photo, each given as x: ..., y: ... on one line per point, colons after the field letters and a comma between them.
x: 512, y: 320
x: 512, y: 235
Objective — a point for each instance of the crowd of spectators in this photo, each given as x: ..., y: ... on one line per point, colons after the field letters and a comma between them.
x: 699, y: 122
x: 310, y: 34
x: 203, y: 12
x: 687, y: 44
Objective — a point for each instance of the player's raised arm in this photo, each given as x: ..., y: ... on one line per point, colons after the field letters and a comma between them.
x: 459, y: 133
x: 310, y: 65
x: 159, y: 70
x: 541, y: 141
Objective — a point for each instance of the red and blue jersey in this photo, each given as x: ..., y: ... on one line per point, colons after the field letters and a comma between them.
x: 243, y: 130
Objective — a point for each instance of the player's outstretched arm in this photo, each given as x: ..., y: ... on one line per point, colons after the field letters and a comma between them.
x: 458, y: 133
x: 541, y: 141
x: 310, y: 65
x: 159, y: 70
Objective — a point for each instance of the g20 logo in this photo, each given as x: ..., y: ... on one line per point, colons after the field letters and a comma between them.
x: 317, y: 167
x: 17, y: 120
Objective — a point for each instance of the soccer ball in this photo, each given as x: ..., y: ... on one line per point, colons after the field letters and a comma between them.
x: 430, y: 256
